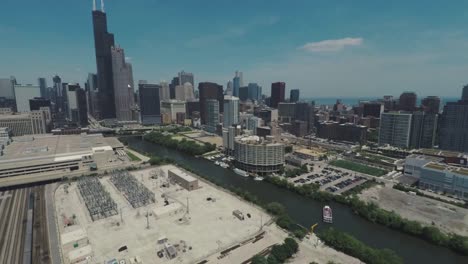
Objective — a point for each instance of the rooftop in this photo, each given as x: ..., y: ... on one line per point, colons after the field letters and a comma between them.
x: 52, y: 148
x: 183, y: 174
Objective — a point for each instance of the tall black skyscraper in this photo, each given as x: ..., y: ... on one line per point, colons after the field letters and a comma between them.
x: 150, y: 108
x: 103, y: 41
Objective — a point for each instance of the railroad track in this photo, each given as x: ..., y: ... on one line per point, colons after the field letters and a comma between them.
x: 13, y: 218
x: 40, y: 249
x: 13, y: 221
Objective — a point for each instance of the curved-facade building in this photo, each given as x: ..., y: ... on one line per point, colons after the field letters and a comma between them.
x: 258, y: 156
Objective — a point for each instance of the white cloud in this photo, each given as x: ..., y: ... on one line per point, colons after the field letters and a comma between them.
x: 331, y: 45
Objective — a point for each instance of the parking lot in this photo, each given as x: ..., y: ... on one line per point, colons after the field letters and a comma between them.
x: 330, y: 179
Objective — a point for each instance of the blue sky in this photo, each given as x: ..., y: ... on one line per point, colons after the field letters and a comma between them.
x: 325, y: 48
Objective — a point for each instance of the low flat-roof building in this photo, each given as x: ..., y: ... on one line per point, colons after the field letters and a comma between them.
x: 183, y: 178
x: 46, y: 157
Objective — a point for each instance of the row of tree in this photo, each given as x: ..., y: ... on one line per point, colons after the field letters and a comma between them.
x: 374, y: 213
x: 187, y: 146
x: 278, y: 253
x: 348, y: 244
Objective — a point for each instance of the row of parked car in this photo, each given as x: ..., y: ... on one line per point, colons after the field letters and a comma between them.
x: 344, y: 184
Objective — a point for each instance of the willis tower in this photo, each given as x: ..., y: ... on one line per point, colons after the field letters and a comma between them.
x: 103, y: 41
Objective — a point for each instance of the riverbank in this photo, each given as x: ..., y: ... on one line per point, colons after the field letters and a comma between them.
x: 308, y: 211
x: 372, y: 212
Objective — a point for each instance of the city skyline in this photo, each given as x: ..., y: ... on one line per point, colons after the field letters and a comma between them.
x: 419, y: 55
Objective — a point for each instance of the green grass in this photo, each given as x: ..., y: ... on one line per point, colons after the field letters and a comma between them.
x: 132, y: 156
x: 358, y: 167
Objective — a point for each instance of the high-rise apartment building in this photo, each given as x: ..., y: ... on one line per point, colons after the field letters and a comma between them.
x: 395, y: 129
x: 22, y: 95
x: 453, y: 130
x: 277, y: 93
x: 237, y: 83
x: 255, y: 91
x: 306, y: 112
x: 231, y: 111
x: 123, y: 85
x: 294, y: 95
x: 103, y: 42
x: 150, y: 107
x: 431, y: 104
x: 407, y: 101
x: 423, y: 130
x: 212, y: 115
x: 208, y: 90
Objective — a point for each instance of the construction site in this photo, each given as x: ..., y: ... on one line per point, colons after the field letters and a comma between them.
x: 157, y: 215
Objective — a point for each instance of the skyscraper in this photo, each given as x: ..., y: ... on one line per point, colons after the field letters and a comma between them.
x: 212, y: 115
x: 229, y: 87
x: 465, y: 93
x: 231, y: 111
x: 57, y: 96
x: 255, y: 91
x: 395, y: 128
x: 237, y: 82
x: 150, y: 108
x: 431, y: 104
x: 423, y: 130
x: 408, y: 101
x: 184, y: 92
x: 92, y: 90
x: 277, y: 93
x: 103, y: 41
x: 7, y: 93
x: 186, y: 77
x: 175, y: 81
x: 243, y: 93
x: 453, y: 131
x: 208, y: 91
x: 164, y: 92
x: 123, y: 85
x: 22, y: 95
x: 42, y: 87
x: 294, y: 95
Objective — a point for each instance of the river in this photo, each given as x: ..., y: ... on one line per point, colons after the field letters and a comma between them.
x: 308, y: 212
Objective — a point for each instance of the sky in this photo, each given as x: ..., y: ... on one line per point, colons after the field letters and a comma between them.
x: 363, y: 48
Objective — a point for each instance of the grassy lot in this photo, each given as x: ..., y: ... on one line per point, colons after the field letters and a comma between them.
x: 132, y: 156
x: 358, y: 167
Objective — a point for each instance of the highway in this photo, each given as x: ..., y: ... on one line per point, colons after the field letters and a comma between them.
x: 13, y: 222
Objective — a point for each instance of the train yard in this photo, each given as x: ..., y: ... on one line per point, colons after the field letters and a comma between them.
x: 23, y: 226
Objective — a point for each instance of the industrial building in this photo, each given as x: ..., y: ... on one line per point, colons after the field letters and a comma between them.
x: 258, y: 155
x: 184, y: 179
x: 29, y: 123
x: 46, y: 157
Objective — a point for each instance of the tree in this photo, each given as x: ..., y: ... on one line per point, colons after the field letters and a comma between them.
x: 259, y: 260
x: 291, y: 245
x: 275, y: 208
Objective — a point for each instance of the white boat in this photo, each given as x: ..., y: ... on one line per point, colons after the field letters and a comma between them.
x: 224, y: 165
x: 217, y: 162
x: 258, y: 178
x: 327, y: 214
x: 241, y: 172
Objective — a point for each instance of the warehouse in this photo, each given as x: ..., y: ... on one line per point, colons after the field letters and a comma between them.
x: 182, y: 178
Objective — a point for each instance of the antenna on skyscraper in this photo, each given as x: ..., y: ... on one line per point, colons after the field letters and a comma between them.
x: 94, y: 5
x: 102, y: 5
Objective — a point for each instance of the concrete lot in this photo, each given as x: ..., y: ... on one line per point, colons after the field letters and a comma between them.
x: 447, y: 217
x: 208, y: 227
